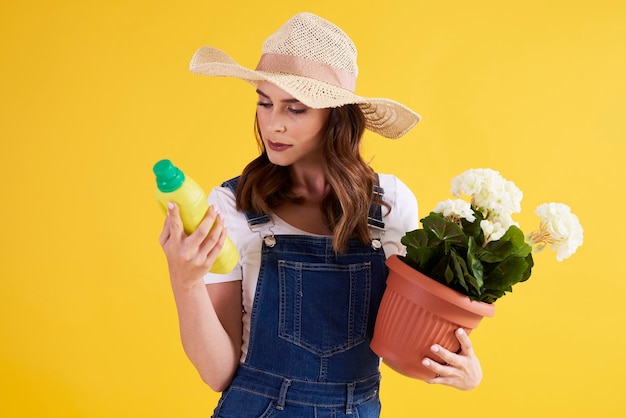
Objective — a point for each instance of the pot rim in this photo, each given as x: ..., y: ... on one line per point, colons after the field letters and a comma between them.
x: 437, y: 289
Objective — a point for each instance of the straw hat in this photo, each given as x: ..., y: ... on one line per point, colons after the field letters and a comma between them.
x: 315, y: 62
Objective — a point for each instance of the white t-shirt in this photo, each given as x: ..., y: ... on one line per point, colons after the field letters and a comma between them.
x: 400, y: 218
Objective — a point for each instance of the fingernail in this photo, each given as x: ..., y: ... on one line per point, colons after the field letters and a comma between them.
x: 170, y: 205
x: 426, y: 362
x: 460, y: 331
x: 434, y: 348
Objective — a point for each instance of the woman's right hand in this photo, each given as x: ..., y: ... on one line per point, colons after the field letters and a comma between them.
x: 189, y: 257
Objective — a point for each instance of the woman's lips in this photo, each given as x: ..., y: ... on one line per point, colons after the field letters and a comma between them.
x: 277, y: 146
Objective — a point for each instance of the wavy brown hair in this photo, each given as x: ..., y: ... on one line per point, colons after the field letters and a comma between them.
x: 264, y: 185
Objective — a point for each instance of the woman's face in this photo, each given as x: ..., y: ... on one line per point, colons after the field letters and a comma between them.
x: 292, y: 133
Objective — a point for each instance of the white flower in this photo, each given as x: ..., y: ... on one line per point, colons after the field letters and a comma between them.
x: 493, y: 230
x: 560, y: 228
x: 488, y: 190
x: 514, y: 197
x: 505, y: 220
x: 472, y: 181
x: 454, y: 209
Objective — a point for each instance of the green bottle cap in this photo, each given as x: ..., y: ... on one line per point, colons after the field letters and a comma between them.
x: 168, y: 177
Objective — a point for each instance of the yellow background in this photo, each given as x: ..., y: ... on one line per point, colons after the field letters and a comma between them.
x: 93, y: 93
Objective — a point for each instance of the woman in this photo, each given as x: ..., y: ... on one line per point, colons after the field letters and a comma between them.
x: 287, y: 332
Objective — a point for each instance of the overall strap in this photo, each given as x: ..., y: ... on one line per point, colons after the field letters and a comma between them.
x: 375, y: 216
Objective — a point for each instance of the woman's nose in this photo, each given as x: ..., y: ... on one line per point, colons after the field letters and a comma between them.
x: 277, y: 123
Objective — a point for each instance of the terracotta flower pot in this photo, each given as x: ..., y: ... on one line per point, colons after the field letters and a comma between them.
x: 417, y: 312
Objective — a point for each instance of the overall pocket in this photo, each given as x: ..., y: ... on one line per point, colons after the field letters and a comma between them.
x: 324, y: 307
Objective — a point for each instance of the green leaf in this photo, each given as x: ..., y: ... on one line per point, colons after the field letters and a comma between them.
x: 420, y: 255
x: 448, y: 275
x: 442, y: 230
x: 507, y: 273
x: 460, y: 269
x: 475, y: 266
x: 473, y: 229
x: 512, y: 243
x: 416, y: 239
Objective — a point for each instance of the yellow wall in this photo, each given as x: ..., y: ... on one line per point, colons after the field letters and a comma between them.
x: 93, y: 93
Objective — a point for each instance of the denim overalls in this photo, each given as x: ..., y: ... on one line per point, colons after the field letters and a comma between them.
x: 311, y: 324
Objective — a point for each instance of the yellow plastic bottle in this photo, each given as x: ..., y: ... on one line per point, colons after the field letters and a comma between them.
x: 174, y: 186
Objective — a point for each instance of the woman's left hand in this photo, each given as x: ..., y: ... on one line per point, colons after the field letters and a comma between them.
x: 461, y: 371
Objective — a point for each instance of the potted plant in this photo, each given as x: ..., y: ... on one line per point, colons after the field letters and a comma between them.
x: 467, y: 255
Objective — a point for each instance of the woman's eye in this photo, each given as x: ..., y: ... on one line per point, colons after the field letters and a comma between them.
x: 264, y: 104
x: 296, y: 110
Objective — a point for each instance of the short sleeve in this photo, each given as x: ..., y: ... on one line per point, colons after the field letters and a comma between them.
x: 407, y: 206
x: 401, y: 215
x: 224, y: 199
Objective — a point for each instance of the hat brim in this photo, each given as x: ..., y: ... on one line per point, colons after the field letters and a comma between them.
x: 383, y: 116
